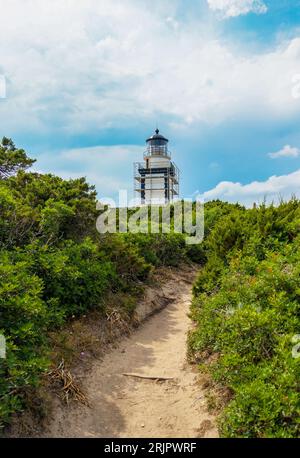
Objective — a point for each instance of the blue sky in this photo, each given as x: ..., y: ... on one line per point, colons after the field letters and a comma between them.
x: 88, y: 80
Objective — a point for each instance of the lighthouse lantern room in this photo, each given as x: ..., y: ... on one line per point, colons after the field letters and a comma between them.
x: 156, y: 179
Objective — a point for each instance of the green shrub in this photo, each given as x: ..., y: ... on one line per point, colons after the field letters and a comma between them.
x: 160, y: 249
x: 246, y: 306
x: 54, y: 265
x: 23, y: 318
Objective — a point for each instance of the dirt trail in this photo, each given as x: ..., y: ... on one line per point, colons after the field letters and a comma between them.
x: 123, y: 406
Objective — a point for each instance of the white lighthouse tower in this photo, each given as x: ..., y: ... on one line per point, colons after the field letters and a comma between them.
x: 156, y: 179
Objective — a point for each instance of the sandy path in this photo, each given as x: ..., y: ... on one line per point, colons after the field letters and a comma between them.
x: 128, y: 407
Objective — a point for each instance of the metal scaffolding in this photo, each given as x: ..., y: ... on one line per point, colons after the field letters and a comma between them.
x: 154, y: 177
x: 157, y: 178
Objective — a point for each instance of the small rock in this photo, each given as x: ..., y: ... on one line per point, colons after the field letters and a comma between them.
x: 142, y: 425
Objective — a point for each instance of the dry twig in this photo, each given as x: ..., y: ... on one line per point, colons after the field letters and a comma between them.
x: 116, y: 320
x: 149, y: 377
x: 69, y: 390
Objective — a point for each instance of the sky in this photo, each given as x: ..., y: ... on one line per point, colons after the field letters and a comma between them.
x: 83, y: 83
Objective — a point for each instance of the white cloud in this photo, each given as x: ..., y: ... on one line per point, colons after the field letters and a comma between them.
x: 85, y: 65
x: 172, y: 22
x: 274, y: 188
x: 232, y: 8
x: 2, y: 87
x: 108, y: 167
x: 286, y: 151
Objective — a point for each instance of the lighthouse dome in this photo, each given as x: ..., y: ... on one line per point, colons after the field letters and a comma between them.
x: 157, y: 139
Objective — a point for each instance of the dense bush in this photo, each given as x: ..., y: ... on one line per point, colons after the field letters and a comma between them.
x: 160, y: 249
x: 54, y: 265
x: 247, y: 308
x: 23, y: 323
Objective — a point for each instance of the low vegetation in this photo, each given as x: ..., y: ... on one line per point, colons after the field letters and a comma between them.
x: 246, y: 307
x: 54, y: 266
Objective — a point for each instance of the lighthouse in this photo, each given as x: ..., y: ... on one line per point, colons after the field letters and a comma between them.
x: 156, y: 179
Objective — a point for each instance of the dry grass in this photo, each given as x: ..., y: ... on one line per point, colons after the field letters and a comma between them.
x: 68, y: 388
x: 115, y: 320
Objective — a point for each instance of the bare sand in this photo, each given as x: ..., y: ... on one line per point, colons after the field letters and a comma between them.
x: 125, y: 406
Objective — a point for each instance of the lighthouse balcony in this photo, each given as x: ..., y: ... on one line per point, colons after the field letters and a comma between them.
x: 155, y: 150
